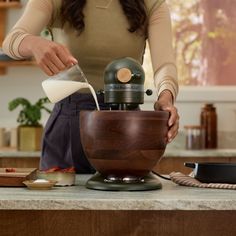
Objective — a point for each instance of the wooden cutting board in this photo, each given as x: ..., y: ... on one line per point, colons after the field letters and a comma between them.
x: 16, y: 178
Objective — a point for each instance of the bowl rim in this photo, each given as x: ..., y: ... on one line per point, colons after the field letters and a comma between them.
x: 157, y: 114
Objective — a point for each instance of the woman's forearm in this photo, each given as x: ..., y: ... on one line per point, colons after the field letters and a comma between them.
x: 26, y: 45
x: 166, y: 95
x: 35, y: 18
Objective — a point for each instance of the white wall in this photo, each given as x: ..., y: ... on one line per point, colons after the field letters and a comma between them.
x: 18, y: 81
x: 191, y: 99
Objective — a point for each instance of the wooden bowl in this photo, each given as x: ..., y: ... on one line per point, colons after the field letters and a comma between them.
x: 124, y: 143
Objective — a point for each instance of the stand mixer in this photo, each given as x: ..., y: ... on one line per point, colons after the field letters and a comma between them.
x: 124, y: 144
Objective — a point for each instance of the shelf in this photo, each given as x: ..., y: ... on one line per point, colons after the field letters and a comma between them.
x: 17, y: 63
x: 4, y: 5
x: 4, y: 150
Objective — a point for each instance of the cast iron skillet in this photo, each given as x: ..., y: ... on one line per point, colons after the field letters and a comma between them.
x: 214, y: 172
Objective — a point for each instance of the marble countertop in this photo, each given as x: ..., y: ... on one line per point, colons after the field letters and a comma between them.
x: 170, y: 197
x: 168, y: 153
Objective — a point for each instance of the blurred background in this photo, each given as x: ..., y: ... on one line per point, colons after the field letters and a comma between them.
x: 204, y: 41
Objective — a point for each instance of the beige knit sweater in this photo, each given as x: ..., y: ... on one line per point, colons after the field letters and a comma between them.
x: 104, y: 39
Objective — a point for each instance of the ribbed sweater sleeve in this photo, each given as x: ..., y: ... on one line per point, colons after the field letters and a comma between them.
x: 161, y: 49
x: 36, y: 16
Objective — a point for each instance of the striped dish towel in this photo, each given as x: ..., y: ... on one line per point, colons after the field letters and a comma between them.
x: 188, y: 180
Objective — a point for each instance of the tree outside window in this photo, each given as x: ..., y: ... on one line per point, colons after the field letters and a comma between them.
x: 204, y: 40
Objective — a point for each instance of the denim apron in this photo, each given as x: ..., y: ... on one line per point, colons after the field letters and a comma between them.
x: 61, y: 146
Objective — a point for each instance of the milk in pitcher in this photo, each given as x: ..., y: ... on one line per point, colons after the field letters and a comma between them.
x: 65, y: 83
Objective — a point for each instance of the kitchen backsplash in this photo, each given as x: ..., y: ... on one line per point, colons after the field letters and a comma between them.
x: 226, y: 140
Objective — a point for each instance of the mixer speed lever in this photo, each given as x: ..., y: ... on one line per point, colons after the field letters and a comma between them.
x: 149, y: 92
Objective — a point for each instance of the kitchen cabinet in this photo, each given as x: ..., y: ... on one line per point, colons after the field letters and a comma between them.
x: 165, y: 166
x: 170, y: 164
x: 18, y: 159
x: 173, y: 160
x: 4, y: 7
x: 117, y: 223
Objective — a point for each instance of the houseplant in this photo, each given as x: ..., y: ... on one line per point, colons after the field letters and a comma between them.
x: 30, y: 129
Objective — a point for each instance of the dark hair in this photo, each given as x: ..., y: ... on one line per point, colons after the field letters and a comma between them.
x: 134, y: 10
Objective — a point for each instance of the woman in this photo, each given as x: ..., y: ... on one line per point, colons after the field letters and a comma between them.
x: 93, y: 33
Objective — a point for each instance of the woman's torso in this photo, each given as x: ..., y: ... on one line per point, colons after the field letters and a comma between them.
x: 105, y: 38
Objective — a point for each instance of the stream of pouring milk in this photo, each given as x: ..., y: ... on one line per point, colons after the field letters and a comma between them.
x: 56, y: 90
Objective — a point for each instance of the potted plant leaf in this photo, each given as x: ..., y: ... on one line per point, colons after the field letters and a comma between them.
x: 30, y: 129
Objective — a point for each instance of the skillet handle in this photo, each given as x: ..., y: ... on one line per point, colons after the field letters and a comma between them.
x: 191, y: 165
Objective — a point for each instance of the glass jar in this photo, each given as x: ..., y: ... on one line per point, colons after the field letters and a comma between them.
x: 208, y: 119
x: 195, y: 137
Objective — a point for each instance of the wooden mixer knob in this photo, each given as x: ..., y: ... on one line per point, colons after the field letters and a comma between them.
x: 124, y: 75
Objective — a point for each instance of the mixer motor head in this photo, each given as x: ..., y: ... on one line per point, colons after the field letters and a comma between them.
x: 124, y: 84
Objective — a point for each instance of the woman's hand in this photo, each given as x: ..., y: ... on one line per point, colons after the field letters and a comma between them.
x: 50, y: 56
x: 165, y: 103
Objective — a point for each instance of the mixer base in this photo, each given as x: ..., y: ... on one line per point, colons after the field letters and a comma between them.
x: 148, y: 182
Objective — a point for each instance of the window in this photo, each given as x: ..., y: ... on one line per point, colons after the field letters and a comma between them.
x: 204, y: 40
